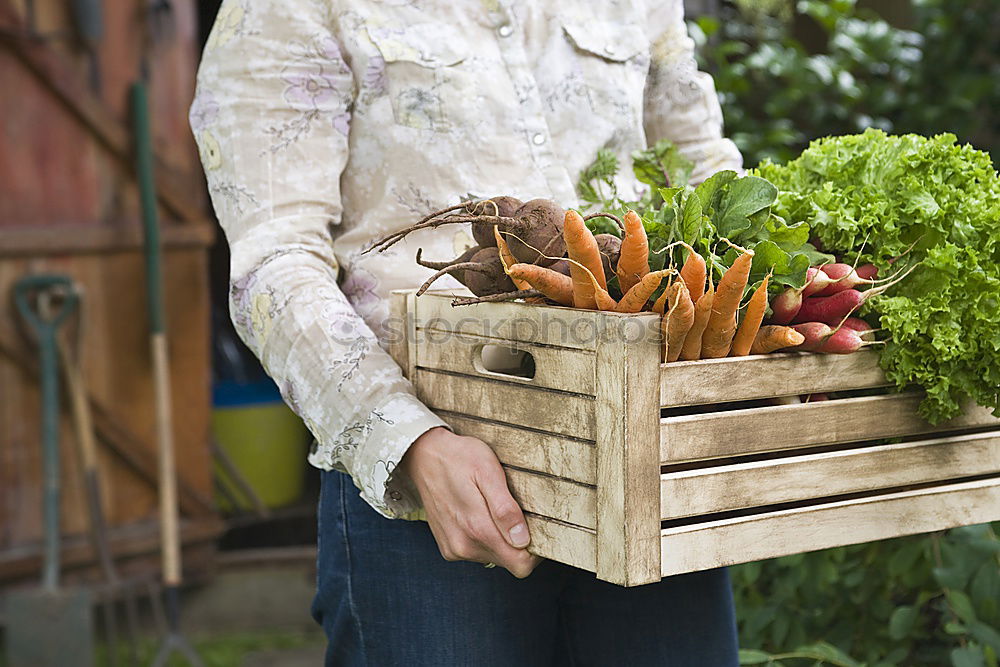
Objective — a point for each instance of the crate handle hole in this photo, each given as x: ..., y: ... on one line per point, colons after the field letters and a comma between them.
x: 509, y: 361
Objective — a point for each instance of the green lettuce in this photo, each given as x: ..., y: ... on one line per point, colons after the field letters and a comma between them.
x: 913, y: 201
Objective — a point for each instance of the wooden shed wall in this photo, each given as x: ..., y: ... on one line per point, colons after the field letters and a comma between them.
x: 68, y: 204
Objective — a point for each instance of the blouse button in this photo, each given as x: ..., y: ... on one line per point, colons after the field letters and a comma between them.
x: 396, y: 495
x: 505, y: 30
x: 610, y: 49
x: 538, y: 139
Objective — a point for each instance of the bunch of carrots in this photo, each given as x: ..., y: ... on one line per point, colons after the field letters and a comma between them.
x: 698, y: 319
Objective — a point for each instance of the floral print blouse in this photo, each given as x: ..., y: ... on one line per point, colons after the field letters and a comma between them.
x: 325, y: 124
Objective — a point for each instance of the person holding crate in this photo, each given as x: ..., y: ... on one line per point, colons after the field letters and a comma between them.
x: 325, y: 125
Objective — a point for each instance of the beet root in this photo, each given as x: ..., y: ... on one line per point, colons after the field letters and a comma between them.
x: 502, y: 207
x: 437, y: 266
x: 537, y: 234
x: 483, y: 274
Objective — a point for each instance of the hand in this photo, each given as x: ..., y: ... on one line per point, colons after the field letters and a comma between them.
x: 469, y: 507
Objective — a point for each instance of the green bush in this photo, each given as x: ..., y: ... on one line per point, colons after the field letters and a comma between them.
x: 857, y: 71
x: 788, y: 73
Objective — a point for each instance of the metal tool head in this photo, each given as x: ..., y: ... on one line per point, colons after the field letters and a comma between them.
x: 49, y: 628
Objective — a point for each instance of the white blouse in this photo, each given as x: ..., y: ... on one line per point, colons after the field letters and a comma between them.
x: 325, y: 124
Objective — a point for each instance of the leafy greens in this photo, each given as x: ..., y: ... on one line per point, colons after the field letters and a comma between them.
x: 926, y: 200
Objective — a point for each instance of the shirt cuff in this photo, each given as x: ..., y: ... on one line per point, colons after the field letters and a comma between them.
x: 385, y: 435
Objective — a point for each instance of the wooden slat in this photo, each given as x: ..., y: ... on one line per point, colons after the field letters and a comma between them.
x: 774, y: 428
x: 555, y: 368
x: 627, y: 415
x: 531, y: 450
x: 64, y: 81
x: 562, y: 542
x: 731, y: 487
x: 529, y: 323
x: 46, y: 240
x: 553, y: 497
x: 731, y: 541
x: 552, y: 411
x: 766, y: 376
x: 397, y: 345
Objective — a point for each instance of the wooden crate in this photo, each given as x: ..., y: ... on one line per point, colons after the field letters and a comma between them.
x: 637, y: 470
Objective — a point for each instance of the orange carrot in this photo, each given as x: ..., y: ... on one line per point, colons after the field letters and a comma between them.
x: 633, y: 259
x: 745, y: 335
x: 554, y: 285
x: 693, y: 272
x: 718, y: 335
x: 773, y: 337
x: 702, y: 311
x: 635, y: 299
x: 680, y: 319
x: 507, y: 258
x: 582, y: 248
x: 604, y: 300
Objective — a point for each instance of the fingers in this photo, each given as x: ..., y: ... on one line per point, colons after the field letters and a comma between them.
x: 504, y: 510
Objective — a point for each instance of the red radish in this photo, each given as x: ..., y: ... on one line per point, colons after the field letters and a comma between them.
x: 842, y: 278
x: 816, y: 281
x: 830, y: 309
x: 816, y: 334
x: 842, y: 341
x: 812, y: 398
x: 865, y: 330
x: 785, y: 306
x: 867, y: 271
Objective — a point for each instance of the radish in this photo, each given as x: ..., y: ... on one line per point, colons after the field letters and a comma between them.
x: 865, y: 330
x: 842, y: 341
x: 842, y: 278
x: 816, y: 281
x: 785, y: 306
x: 830, y: 309
x: 867, y: 271
x: 816, y: 334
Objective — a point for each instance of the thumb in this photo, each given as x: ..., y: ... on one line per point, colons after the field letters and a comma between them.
x: 503, y: 508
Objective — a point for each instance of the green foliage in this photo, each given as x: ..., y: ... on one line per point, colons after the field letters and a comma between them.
x: 724, y: 210
x: 857, y: 71
x: 926, y: 600
x: 935, y: 205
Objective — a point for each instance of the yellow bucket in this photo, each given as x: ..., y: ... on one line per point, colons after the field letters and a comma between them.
x: 266, y: 442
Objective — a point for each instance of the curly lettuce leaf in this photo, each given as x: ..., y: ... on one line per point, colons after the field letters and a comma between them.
x: 912, y: 200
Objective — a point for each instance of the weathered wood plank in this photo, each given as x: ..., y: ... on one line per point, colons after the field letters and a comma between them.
x: 398, y: 343
x: 723, y: 488
x: 766, y: 376
x: 552, y: 411
x: 553, y: 497
x: 562, y: 542
x: 731, y: 541
x: 528, y: 323
x: 627, y: 415
x: 555, y: 368
x: 531, y: 450
x: 775, y: 428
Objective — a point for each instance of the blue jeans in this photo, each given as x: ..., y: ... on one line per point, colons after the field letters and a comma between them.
x: 386, y: 598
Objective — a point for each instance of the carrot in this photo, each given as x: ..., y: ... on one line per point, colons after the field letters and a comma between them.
x: 508, y: 258
x: 554, y: 285
x: 702, y: 311
x: 633, y: 258
x: 747, y: 332
x: 693, y: 273
x: 678, y: 320
x: 774, y: 337
x: 635, y: 299
x: 582, y: 248
x: 718, y: 335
